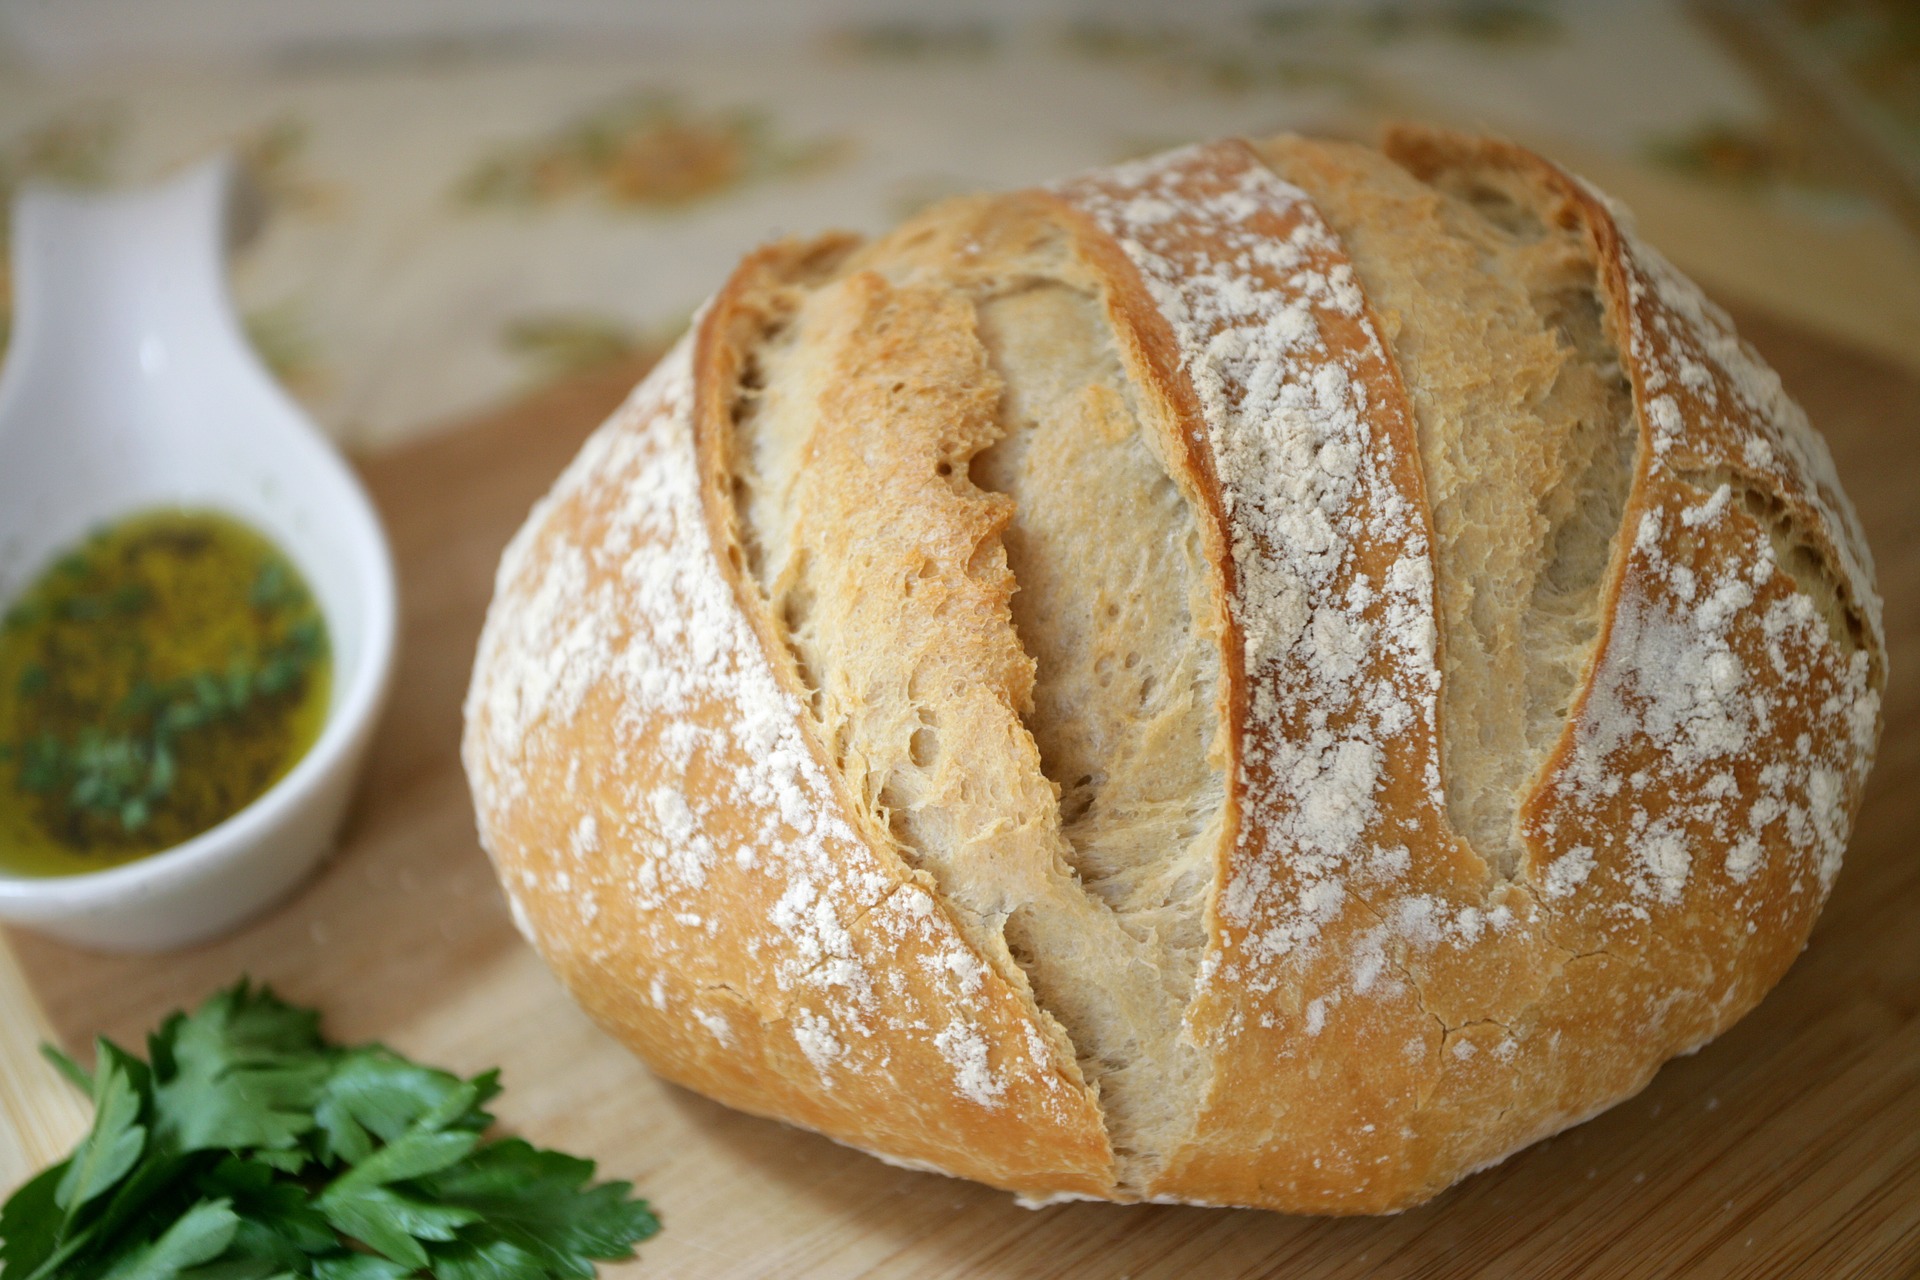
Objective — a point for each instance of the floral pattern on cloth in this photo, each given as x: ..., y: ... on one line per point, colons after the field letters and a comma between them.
x: 449, y: 223
x: 643, y: 152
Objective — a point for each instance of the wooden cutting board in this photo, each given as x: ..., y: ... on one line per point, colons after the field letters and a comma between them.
x: 1790, y: 1147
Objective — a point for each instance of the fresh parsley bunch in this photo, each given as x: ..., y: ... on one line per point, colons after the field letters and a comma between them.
x: 248, y: 1148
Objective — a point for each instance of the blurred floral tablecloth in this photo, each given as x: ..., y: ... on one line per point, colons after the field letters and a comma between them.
x: 458, y: 213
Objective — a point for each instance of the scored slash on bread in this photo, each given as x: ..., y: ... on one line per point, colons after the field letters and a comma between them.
x: 1272, y: 675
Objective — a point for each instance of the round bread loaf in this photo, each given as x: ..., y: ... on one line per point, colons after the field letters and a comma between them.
x: 1276, y: 675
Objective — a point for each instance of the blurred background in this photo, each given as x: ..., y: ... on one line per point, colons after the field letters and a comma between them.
x: 466, y: 201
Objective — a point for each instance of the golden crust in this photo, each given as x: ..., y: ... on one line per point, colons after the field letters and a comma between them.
x: 1380, y: 1011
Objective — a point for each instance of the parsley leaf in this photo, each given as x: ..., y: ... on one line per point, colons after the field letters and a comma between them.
x: 201, y: 1234
x: 359, y: 1266
x: 31, y: 1231
x: 247, y: 1147
x: 540, y: 1204
x: 243, y: 1072
x: 110, y: 1150
x: 374, y: 1095
x: 362, y: 1202
x: 278, y: 1223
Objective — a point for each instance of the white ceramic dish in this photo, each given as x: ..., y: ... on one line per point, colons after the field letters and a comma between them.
x: 129, y: 384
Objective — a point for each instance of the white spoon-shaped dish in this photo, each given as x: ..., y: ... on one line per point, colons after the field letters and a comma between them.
x: 130, y: 385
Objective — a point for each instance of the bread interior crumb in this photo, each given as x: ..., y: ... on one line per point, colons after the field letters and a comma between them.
x: 958, y: 507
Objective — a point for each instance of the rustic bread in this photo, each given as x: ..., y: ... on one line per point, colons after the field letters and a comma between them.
x: 1273, y: 675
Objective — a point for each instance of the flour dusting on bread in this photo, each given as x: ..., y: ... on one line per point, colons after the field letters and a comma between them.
x: 1303, y: 481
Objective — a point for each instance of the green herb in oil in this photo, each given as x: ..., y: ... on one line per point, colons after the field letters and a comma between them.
x: 154, y: 681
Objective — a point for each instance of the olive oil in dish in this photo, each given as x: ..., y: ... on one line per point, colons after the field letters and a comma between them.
x: 154, y: 681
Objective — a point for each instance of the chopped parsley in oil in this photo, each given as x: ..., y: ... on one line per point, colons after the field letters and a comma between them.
x: 154, y: 681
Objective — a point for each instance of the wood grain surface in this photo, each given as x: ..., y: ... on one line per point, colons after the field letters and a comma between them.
x: 1790, y: 1147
